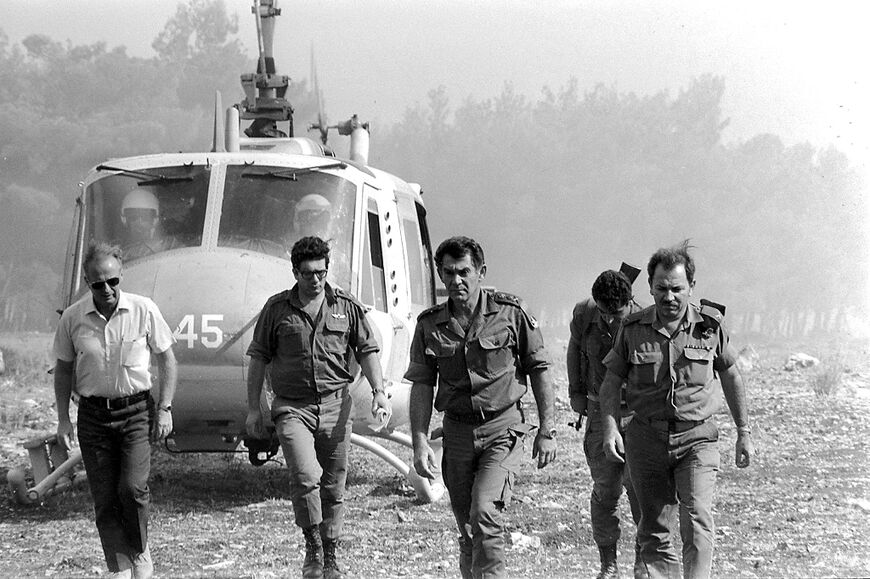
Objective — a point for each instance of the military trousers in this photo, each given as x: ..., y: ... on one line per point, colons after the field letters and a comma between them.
x: 315, y: 440
x: 479, y: 465
x: 608, y: 480
x: 116, y: 452
x: 674, y: 472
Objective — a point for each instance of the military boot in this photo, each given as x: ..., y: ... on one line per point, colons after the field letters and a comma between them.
x: 608, y: 562
x: 312, y: 567
x: 330, y: 566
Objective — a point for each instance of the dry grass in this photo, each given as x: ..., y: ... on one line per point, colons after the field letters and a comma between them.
x: 798, y: 511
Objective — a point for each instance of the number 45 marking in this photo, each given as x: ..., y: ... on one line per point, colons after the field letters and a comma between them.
x: 209, y: 335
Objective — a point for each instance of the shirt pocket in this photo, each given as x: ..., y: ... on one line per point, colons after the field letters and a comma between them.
x: 335, y: 332
x: 698, y: 365
x: 496, y: 351
x: 441, y: 349
x: 135, y: 353
x: 292, y: 337
x: 645, y: 366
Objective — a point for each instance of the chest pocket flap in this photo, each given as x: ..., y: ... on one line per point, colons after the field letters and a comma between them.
x: 441, y: 349
x: 339, y: 325
x: 645, y: 357
x: 496, y: 341
x: 698, y: 354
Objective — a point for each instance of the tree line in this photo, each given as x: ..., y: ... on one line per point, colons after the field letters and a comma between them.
x: 570, y: 182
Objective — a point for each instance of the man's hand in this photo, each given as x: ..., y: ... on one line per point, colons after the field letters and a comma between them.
x: 424, y: 461
x: 743, y: 450
x: 163, y: 427
x: 613, y: 446
x: 65, y: 434
x: 381, y: 408
x: 544, y: 450
x: 254, y: 424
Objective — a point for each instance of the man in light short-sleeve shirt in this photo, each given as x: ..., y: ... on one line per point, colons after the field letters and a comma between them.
x: 106, y: 340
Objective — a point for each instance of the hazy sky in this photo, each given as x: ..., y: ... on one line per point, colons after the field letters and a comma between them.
x: 796, y: 69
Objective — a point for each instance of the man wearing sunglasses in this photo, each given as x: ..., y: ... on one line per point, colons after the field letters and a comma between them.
x: 306, y: 336
x: 593, y: 326
x: 107, y: 339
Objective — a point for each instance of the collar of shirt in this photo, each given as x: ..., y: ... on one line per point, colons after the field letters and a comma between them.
x: 293, y: 296
x: 123, y: 304
x: 485, y: 308
x: 650, y: 317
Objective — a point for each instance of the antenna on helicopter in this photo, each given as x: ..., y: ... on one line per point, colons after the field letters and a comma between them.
x: 264, y: 101
x: 321, y: 123
x: 353, y: 127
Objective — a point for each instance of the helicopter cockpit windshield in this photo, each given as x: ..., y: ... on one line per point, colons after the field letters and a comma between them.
x: 148, y: 211
x: 268, y: 209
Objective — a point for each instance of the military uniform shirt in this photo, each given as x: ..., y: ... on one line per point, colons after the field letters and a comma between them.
x: 112, y: 357
x: 484, y: 369
x: 671, y: 378
x: 308, y: 356
x: 592, y: 345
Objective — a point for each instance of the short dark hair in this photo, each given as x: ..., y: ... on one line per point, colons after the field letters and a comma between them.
x: 99, y: 250
x: 671, y: 257
x: 612, y: 290
x: 309, y: 249
x: 458, y: 247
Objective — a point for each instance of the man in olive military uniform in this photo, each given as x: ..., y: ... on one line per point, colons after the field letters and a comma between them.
x: 478, y: 348
x: 593, y: 325
x: 667, y: 354
x: 306, y: 335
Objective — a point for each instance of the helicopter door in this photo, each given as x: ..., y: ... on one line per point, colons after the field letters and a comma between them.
x: 418, y: 253
x: 373, y: 289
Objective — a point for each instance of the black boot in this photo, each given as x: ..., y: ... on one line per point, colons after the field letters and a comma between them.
x: 330, y: 566
x: 312, y: 568
x: 608, y: 562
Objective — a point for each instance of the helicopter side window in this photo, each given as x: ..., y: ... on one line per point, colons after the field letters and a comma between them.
x: 418, y: 252
x: 374, y: 284
x: 267, y: 209
x: 148, y: 211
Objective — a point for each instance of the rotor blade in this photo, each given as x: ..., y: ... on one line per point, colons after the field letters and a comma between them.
x: 321, y: 113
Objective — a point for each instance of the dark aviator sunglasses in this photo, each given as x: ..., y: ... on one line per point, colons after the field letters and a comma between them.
x: 99, y: 285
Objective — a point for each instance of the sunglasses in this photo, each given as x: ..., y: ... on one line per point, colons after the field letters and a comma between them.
x: 309, y: 274
x: 99, y: 285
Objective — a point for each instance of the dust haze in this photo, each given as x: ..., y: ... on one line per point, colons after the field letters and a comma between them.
x: 565, y: 138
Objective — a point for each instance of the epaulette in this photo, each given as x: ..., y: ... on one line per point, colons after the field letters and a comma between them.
x: 512, y: 300
x: 431, y: 310
x: 340, y: 293
x: 635, y: 317
x: 713, y: 313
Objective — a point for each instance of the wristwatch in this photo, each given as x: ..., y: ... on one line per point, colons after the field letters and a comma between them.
x: 167, y: 408
x: 551, y: 434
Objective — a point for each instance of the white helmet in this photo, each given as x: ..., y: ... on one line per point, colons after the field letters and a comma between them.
x: 313, y: 202
x: 140, y: 199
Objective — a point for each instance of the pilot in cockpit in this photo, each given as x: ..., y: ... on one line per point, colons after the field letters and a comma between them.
x: 140, y: 216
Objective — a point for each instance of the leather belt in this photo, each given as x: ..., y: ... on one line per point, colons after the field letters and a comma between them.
x: 478, y: 417
x: 115, y: 403
x: 671, y: 425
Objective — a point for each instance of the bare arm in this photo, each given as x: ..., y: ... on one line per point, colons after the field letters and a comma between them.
x: 609, y: 395
x: 167, y: 369
x: 62, y: 394
x: 420, y: 409
x: 735, y: 396
x: 371, y: 369
x: 254, y: 420
x: 542, y: 387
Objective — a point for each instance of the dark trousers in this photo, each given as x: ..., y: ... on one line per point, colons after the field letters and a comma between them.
x: 479, y: 465
x: 117, y: 455
x: 608, y: 480
x: 674, y: 472
x: 315, y: 440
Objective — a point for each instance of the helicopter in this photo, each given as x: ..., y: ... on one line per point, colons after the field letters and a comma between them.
x: 206, y: 235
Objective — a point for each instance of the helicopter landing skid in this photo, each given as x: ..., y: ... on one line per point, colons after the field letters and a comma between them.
x: 426, y: 491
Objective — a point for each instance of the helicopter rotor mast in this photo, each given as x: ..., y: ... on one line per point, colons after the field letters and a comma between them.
x: 264, y: 101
